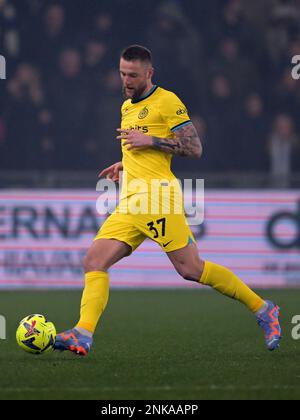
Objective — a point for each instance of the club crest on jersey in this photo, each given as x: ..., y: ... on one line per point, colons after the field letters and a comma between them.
x: 144, y: 113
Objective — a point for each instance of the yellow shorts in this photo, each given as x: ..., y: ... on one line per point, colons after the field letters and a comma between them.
x: 170, y: 231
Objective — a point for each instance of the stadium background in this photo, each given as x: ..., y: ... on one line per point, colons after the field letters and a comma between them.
x: 230, y: 62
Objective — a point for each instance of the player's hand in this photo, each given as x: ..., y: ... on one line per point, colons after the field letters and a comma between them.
x: 134, y: 139
x: 113, y: 172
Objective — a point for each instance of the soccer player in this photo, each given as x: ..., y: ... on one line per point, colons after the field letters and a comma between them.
x: 155, y: 126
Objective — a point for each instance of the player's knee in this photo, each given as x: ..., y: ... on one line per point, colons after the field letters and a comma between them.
x: 91, y: 264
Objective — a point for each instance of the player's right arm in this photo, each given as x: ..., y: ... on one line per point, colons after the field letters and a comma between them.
x: 112, y: 172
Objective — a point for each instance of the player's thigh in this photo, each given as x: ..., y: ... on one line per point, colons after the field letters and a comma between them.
x: 104, y: 253
x: 122, y: 227
x: 117, y: 238
x: 187, y: 262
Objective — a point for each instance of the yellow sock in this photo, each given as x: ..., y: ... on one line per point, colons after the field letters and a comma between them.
x: 227, y: 283
x: 94, y: 300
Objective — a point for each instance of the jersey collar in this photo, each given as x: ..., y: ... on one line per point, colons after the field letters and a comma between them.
x: 155, y: 87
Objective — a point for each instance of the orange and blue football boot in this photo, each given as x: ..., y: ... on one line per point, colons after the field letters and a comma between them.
x: 73, y: 341
x: 269, y: 322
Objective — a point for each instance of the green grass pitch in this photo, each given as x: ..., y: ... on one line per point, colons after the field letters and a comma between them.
x: 185, y: 344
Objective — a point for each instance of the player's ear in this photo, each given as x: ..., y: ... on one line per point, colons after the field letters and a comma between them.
x: 151, y: 72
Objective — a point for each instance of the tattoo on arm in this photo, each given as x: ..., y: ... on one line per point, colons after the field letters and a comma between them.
x: 186, y: 143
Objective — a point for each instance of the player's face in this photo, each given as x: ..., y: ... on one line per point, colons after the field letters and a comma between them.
x: 136, y: 78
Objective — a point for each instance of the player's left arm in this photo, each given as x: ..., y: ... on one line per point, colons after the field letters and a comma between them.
x: 186, y: 142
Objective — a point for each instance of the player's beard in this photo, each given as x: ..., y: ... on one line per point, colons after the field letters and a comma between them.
x: 137, y: 93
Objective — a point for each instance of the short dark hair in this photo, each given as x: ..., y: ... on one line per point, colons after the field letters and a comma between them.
x: 137, y: 52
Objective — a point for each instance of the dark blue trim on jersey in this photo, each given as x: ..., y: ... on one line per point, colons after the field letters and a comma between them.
x: 145, y: 96
x: 191, y: 241
x: 181, y: 125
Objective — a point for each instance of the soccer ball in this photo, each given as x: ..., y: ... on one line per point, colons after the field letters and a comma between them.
x: 35, y: 334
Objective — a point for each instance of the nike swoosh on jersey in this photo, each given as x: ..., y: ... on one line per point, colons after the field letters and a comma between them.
x: 165, y: 245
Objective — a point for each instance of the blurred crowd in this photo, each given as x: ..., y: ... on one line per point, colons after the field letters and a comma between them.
x: 229, y: 61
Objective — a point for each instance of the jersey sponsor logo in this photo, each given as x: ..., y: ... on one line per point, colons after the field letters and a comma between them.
x: 144, y: 129
x: 182, y: 111
x: 144, y: 113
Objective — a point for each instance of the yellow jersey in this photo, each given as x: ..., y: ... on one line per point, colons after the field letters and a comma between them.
x: 159, y: 114
x: 145, y: 212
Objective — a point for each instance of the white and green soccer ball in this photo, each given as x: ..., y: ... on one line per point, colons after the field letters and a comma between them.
x: 36, y: 335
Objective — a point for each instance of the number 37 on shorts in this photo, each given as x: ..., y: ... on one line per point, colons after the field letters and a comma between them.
x: 171, y: 232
